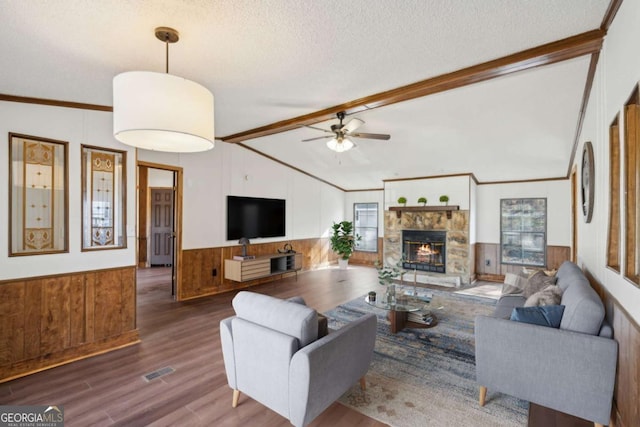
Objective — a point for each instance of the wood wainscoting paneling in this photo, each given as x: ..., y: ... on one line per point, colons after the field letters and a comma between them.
x: 626, y: 395
x: 52, y: 320
x: 368, y: 258
x: 495, y: 271
x: 198, y: 265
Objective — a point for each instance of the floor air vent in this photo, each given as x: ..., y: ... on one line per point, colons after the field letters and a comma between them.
x: 158, y: 373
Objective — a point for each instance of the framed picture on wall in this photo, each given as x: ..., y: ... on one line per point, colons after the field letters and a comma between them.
x: 587, y: 190
x: 103, y: 198
x: 38, y: 195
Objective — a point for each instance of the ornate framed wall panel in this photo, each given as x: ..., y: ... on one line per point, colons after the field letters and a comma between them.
x: 103, y: 199
x: 632, y: 187
x: 613, y: 234
x: 38, y: 195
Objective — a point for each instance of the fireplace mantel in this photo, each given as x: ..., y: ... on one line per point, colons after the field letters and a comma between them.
x: 448, y: 209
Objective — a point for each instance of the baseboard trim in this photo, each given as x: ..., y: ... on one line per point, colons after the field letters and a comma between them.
x: 499, y: 278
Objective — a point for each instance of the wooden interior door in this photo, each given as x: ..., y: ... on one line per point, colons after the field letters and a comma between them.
x: 162, y: 235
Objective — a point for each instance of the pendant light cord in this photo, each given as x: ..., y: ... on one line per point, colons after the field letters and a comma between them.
x: 166, y: 43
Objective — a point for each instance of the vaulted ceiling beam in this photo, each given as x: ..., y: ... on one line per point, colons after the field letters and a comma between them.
x: 550, y: 53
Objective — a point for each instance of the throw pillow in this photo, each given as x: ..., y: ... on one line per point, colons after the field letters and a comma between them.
x: 551, y: 295
x: 511, y: 285
x: 537, y: 282
x: 544, y: 315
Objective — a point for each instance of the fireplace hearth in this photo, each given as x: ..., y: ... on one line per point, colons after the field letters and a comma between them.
x: 424, y: 250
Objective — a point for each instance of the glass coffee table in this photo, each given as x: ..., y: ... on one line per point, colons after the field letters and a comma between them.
x: 408, y: 311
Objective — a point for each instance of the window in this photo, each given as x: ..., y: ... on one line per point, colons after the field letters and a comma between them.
x: 523, y: 231
x: 613, y: 236
x: 632, y: 186
x: 103, y: 198
x: 38, y: 195
x: 366, y: 226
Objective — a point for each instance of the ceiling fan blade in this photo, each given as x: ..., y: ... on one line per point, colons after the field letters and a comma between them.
x: 313, y: 127
x: 319, y: 137
x: 352, y: 125
x: 371, y: 136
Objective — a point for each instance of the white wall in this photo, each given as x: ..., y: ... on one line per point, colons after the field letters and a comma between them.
x: 616, y: 77
x: 456, y: 187
x: 208, y: 178
x: 76, y: 127
x: 557, y: 193
x: 232, y: 170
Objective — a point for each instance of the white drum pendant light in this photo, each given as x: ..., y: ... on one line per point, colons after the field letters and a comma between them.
x: 162, y: 112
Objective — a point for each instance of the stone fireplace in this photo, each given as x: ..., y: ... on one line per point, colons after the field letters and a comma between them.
x: 444, y: 257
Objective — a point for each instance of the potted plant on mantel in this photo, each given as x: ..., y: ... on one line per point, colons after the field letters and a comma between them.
x: 444, y: 199
x: 343, y: 241
x: 423, y: 200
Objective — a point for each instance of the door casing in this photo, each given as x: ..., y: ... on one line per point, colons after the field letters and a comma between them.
x: 177, y: 253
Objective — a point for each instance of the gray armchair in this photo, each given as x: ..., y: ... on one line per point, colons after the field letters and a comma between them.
x: 272, y: 354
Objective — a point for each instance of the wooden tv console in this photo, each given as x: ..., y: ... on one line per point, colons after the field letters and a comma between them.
x: 262, y: 266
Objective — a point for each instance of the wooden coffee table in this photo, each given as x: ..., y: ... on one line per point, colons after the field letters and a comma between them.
x: 399, y: 313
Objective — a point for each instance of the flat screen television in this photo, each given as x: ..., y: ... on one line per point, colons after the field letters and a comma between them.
x: 253, y: 217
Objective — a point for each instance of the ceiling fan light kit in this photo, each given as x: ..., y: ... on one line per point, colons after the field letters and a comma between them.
x: 160, y: 111
x: 340, y: 141
x: 340, y: 145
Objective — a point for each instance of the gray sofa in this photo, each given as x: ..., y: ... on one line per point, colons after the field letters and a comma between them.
x: 272, y: 353
x: 570, y: 369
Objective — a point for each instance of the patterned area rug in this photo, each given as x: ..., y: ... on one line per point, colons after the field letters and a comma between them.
x: 489, y: 290
x: 426, y: 377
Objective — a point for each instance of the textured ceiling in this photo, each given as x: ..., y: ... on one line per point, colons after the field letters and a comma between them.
x: 269, y: 60
x: 516, y: 127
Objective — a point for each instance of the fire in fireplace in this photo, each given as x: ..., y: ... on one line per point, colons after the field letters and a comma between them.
x: 424, y: 250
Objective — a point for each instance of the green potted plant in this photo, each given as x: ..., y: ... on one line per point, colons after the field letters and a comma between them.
x: 422, y: 200
x: 444, y: 199
x: 386, y: 277
x: 343, y: 241
x: 402, y: 200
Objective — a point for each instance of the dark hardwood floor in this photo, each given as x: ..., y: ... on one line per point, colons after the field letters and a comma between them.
x: 109, y: 389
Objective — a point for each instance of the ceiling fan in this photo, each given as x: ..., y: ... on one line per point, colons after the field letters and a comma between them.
x: 340, y: 134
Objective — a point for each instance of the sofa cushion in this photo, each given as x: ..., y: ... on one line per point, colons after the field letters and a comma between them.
x: 544, y: 315
x: 567, y: 274
x: 536, y: 283
x: 551, y: 295
x: 287, y: 317
x: 506, y: 304
x: 512, y: 285
x: 584, y: 310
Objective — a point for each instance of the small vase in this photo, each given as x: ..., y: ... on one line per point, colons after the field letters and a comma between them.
x: 391, y: 294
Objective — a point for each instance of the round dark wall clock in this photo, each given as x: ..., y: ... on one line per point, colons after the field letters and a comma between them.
x: 588, y: 181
